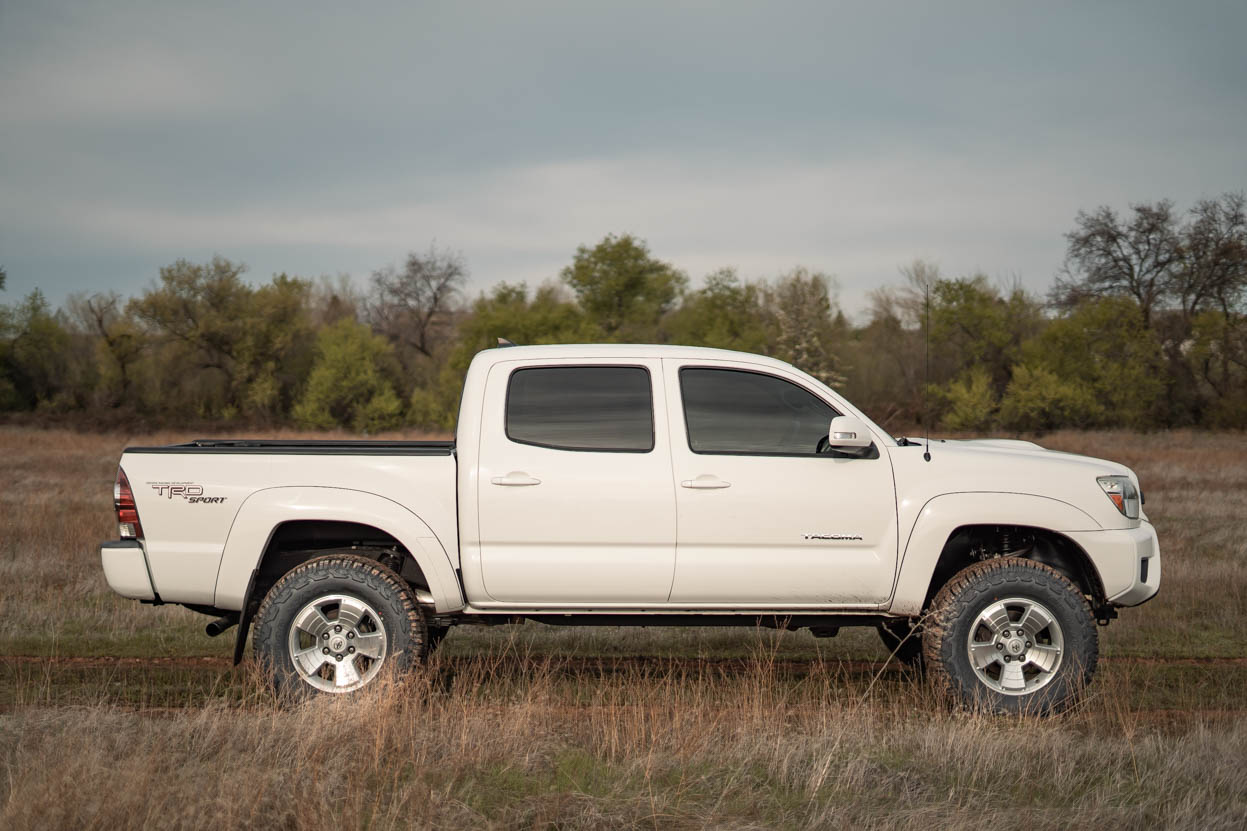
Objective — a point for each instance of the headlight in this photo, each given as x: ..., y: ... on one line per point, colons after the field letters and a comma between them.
x: 1124, y: 494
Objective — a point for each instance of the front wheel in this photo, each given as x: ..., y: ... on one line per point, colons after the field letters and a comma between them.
x: 1011, y: 636
x: 331, y: 624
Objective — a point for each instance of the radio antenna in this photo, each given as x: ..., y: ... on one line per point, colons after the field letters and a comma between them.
x: 926, y: 373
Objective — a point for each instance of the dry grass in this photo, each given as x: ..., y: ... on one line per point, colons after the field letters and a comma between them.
x: 538, y: 727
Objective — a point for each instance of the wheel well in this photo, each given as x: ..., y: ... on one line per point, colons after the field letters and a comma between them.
x: 294, y: 543
x: 973, y: 543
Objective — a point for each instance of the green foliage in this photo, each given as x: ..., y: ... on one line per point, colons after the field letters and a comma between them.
x: 1104, y: 350
x: 1217, y: 359
x: 348, y: 386
x: 970, y: 402
x: 725, y: 314
x: 622, y: 288
x: 507, y: 312
x: 974, y: 326
x: 237, y: 349
x: 204, y: 343
x: 34, y: 355
x: 1037, y: 400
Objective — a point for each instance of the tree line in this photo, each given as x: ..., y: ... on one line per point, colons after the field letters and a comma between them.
x: 1145, y: 327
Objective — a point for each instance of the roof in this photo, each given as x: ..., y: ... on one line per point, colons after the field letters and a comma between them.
x: 625, y: 350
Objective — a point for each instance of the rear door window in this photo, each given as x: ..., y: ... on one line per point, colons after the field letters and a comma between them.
x: 602, y: 408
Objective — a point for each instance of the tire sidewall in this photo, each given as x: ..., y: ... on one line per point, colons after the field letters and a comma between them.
x: 358, y: 577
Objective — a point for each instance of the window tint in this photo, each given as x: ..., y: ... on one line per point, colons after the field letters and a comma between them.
x: 730, y: 411
x: 582, y: 408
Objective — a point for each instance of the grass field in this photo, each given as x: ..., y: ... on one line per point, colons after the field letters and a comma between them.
x: 114, y: 714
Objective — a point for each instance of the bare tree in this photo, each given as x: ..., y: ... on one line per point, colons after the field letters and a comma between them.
x: 412, y: 306
x: 104, y: 316
x: 1138, y: 257
x: 1214, y: 256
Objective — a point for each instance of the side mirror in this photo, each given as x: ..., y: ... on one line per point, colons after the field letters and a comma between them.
x: 847, y: 431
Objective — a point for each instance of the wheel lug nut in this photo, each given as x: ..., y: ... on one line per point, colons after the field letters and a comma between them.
x: 337, y: 657
x: 999, y: 645
x: 325, y: 650
x: 325, y: 636
x: 350, y: 634
x: 1007, y: 659
x: 337, y: 628
x: 350, y: 649
x: 1028, y: 644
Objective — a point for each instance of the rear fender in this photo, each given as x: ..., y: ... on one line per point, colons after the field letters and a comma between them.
x: 265, y: 510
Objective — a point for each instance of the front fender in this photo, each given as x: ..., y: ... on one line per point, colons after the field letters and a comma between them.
x: 264, y: 510
x: 942, y: 515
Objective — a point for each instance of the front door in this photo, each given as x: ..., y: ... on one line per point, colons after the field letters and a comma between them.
x: 763, y: 517
x: 575, y: 493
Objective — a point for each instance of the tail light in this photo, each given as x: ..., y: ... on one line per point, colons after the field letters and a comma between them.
x: 127, y: 512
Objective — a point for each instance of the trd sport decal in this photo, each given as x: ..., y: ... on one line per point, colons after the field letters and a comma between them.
x: 191, y: 493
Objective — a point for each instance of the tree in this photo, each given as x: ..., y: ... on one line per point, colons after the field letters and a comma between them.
x: 725, y: 313
x: 1104, y: 348
x: 412, y: 307
x: 970, y: 402
x: 33, y: 353
x: 1037, y: 400
x: 511, y: 312
x: 255, y: 341
x: 622, y: 288
x: 120, y: 341
x: 806, y: 332
x: 348, y: 384
x: 972, y: 325
x: 1212, y: 272
x: 1138, y: 257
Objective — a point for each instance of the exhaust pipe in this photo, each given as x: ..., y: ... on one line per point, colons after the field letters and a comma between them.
x: 221, y: 624
x: 424, y: 597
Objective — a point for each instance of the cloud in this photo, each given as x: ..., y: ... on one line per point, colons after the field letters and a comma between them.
x: 313, y: 137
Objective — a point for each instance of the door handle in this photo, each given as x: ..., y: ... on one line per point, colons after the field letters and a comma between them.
x: 706, y: 481
x: 515, y: 479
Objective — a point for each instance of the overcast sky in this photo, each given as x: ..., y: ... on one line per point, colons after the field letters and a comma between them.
x: 324, y: 138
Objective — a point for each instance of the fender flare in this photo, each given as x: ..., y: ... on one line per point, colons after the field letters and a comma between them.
x: 263, y: 511
x: 944, y: 514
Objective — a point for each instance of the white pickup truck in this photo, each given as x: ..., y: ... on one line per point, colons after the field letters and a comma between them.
x: 643, y: 485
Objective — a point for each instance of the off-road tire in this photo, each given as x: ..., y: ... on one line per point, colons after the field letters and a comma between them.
x: 958, y: 606
x: 902, y: 642
x: 406, y: 634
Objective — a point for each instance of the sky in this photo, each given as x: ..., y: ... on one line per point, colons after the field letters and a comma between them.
x: 850, y: 138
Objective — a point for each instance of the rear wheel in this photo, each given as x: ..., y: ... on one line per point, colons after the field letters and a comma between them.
x: 331, y: 624
x: 1011, y: 636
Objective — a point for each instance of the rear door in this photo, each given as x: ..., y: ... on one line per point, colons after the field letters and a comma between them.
x: 575, y: 495
x: 763, y: 517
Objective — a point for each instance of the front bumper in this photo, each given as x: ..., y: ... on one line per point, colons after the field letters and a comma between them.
x: 1128, y: 561
x: 125, y: 569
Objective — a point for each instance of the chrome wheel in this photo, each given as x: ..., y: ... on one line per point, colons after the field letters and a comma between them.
x: 1015, y: 646
x: 337, y: 643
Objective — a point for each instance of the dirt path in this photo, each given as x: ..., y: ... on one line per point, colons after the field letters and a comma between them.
x: 577, y: 662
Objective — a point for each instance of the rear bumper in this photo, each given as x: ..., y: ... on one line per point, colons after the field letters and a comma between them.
x: 1128, y: 562
x: 125, y: 569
